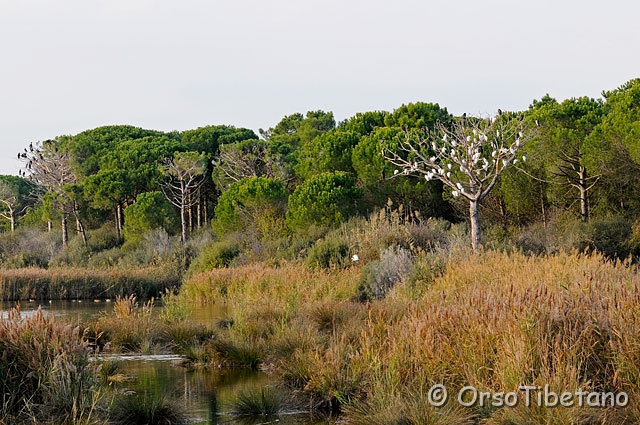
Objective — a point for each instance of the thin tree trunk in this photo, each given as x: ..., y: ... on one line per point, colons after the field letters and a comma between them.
x: 190, y: 211
x: 183, y: 220
x: 199, y: 211
x: 13, y: 221
x: 584, y: 202
x: 119, y: 221
x: 80, y: 229
x: 49, y: 226
x: 65, y: 235
x: 183, y: 208
x: 543, y: 209
x: 474, y: 219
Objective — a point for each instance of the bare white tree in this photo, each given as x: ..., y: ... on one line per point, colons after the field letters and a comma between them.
x: 10, y: 199
x: 184, y: 176
x: 468, y: 156
x: 48, y: 165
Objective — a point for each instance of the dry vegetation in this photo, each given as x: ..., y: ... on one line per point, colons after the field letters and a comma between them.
x: 84, y: 283
x: 492, y: 320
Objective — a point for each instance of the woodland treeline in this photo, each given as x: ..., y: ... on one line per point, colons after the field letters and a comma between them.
x: 116, y: 184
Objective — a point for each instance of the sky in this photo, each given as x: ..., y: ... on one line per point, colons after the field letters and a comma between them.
x: 71, y: 65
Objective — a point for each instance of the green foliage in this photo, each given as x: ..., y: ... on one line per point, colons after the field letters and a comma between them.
x: 418, y: 115
x: 328, y: 253
x: 375, y: 177
x: 89, y: 146
x: 208, y: 139
x: 257, y: 203
x: 128, y: 169
x: 364, y: 123
x: 151, y: 211
x: 247, y: 158
x: 611, y: 236
x: 325, y: 200
x: 218, y: 254
x: 328, y: 152
x: 14, y: 198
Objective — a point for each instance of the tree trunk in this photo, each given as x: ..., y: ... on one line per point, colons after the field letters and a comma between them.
x: 49, y: 226
x: 543, y: 209
x: 13, y: 221
x: 190, y: 211
x: 199, y: 212
x: 65, y: 235
x: 119, y: 222
x: 80, y: 230
x: 474, y: 219
x: 183, y: 212
x: 183, y: 220
x: 584, y: 202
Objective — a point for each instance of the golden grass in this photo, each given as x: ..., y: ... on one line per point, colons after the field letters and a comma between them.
x: 84, y: 283
x: 493, y: 320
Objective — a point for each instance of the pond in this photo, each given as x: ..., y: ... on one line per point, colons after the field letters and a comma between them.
x: 205, y: 396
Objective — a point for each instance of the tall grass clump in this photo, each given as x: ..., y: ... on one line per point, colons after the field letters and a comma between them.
x: 129, y: 327
x: 45, y: 373
x: 266, y: 402
x: 148, y: 409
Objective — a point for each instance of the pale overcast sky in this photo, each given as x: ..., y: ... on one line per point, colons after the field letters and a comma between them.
x: 71, y: 65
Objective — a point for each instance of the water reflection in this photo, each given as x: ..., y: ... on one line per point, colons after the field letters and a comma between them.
x: 205, y: 395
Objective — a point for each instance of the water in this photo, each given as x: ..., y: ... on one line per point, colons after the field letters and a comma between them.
x: 205, y: 396
x: 71, y: 311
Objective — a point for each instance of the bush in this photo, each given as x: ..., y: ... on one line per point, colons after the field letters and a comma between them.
x: 610, y: 236
x: 378, y: 277
x: 257, y: 203
x: 328, y: 253
x: 151, y: 211
x: 218, y: 254
x: 325, y: 200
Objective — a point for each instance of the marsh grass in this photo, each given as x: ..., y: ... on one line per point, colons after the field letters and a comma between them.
x: 45, y: 373
x: 145, y: 409
x: 494, y: 320
x: 84, y: 283
x: 265, y: 402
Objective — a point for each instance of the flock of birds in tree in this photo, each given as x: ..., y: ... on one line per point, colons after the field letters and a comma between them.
x: 36, y: 155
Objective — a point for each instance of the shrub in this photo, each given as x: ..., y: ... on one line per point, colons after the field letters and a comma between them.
x: 255, y: 202
x: 378, y: 277
x: 218, y: 254
x: 326, y: 199
x: 610, y: 236
x: 328, y: 253
x: 151, y: 211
